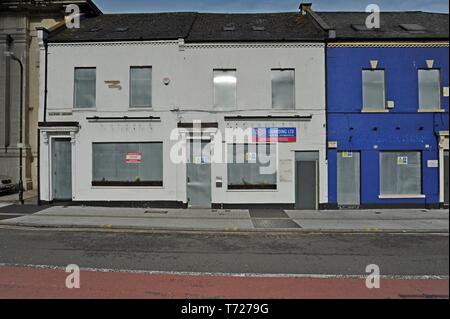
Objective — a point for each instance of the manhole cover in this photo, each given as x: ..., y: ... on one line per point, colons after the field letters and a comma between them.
x: 274, y: 223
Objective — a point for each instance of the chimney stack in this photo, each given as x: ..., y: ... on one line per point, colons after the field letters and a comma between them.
x: 305, y: 7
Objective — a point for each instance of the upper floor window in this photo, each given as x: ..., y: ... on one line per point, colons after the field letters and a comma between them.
x: 225, y: 89
x: 140, y: 86
x: 283, y: 88
x: 374, y: 90
x: 429, y: 89
x: 85, y: 87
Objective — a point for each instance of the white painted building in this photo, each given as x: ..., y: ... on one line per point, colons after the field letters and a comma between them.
x: 116, y: 93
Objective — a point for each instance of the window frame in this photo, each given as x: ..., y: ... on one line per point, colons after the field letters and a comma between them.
x: 396, y: 196
x: 75, y: 107
x: 215, y: 107
x: 125, y: 183
x: 366, y: 109
x: 294, y: 104
x: 253, y: 187
x: 130, y: 105
x: 439, y: 109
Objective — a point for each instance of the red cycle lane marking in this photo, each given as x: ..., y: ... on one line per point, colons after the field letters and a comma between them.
x: 20, y: 282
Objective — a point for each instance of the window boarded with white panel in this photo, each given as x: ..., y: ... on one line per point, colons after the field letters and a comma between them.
x: 400, y: 173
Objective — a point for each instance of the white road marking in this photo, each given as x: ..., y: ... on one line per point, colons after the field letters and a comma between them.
x: 5, y: 204
x: 250, y: 275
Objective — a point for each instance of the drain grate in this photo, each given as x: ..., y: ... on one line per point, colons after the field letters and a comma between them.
x: 268, y: 213
x: 274, y: 223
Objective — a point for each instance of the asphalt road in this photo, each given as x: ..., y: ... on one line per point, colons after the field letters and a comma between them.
x: 329, y: 254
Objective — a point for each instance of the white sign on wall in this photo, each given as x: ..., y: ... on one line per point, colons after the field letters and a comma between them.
x: 433, y: 164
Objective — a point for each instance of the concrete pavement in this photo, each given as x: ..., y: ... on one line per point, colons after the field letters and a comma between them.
x: 415, y: 220
x: 28, y: 196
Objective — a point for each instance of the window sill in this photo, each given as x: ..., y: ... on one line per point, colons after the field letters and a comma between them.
x: 140, y: 109
x: 127, y: 184
x: 252, y: 188
x: 431, y: 111
x: 406, y: 196
x: 375, y: 111
x: 87, y: 109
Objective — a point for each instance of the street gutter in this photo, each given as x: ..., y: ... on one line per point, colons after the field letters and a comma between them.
x: 228, y: 231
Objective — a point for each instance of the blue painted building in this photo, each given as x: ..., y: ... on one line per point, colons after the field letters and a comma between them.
x: 387, y: 102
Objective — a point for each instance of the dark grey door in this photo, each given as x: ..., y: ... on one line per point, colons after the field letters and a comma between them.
x: 199, y: 176
x: 446, y: 190
x: 348, y: 178
x: 306, y: 185
x: 62, y: 169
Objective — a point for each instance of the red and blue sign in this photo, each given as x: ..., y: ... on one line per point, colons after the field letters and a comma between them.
x: 275, y: 135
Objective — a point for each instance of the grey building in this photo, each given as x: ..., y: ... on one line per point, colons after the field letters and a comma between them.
x: 19, y: 21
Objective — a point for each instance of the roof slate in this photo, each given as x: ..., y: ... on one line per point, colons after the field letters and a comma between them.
x: 436, y: 25
x: 291, y: 26
x: 256, y: 27
x: 155, y: 26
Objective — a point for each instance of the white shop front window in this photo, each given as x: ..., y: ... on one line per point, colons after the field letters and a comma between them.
x: 127, y: 164
x: 400, y: 174
x: 252, y: 166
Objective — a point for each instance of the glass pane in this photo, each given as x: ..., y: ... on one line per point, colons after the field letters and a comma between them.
x: 400, y: 173
x: 429, y: 90
x: 225, y: 89
x: 374, y: 97
x: 252, y: 165
x: 110, y: 162
x: 283, y: 89
x: 85, y: 87
x: 140, y: 87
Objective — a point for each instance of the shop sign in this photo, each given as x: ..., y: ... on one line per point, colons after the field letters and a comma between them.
x: 134, y: 158
x: 275, y: 134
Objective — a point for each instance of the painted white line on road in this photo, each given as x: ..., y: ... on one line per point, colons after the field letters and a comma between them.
x: 5, y: 204
x: 250, y: 275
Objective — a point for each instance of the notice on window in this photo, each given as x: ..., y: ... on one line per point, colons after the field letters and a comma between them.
x: 199, y: 160
x: 250, y: 156
x: 347, y: 154
x: 402, y: 160
x: 134, y: 158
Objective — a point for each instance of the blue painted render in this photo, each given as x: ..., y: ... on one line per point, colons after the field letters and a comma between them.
x: 401, y: 129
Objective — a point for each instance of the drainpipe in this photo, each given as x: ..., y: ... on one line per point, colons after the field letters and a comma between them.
x: 306, y: 10
x: 42, y: 35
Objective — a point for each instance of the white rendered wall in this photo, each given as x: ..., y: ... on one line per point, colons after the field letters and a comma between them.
x: 190, y: 69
